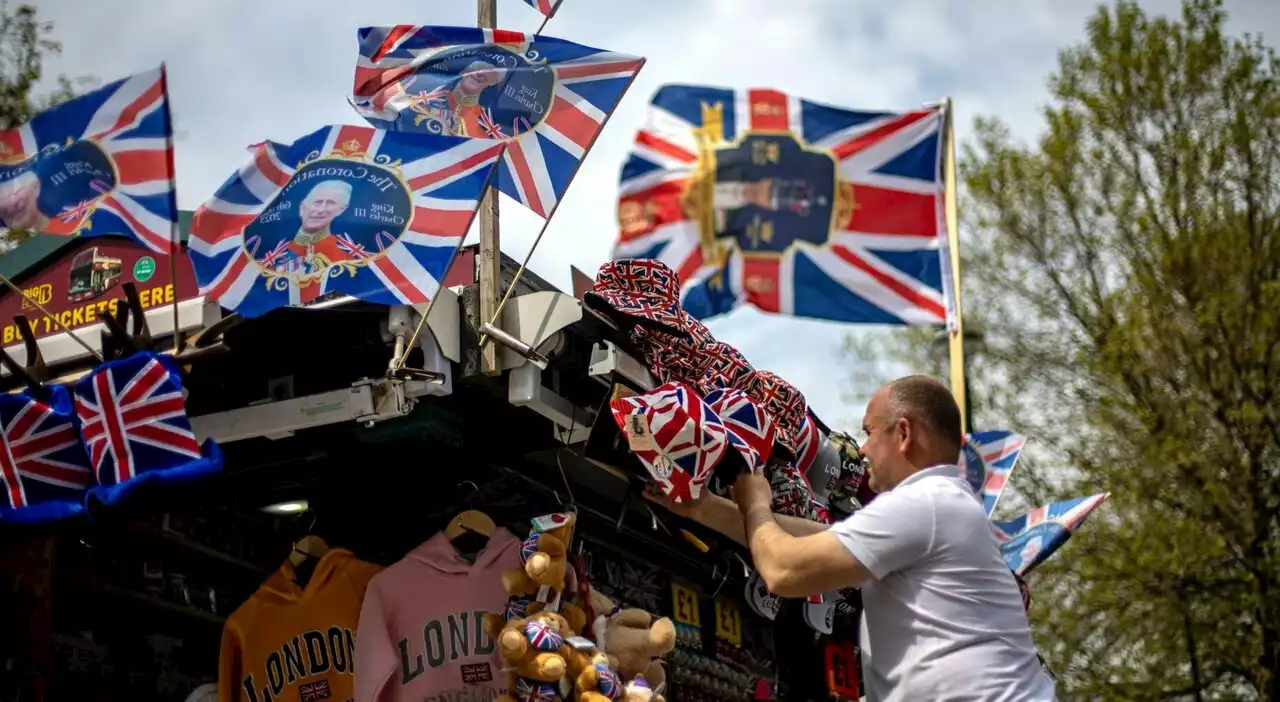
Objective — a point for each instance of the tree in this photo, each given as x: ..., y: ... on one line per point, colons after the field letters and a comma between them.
x: 24, y: 43
x: 1126, y: 271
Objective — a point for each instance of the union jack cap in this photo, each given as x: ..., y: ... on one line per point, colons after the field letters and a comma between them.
x: 688, y: 439
x: 608, y: 682
x: 529, y: 546
x: 750, y: 430
x: 726, y: 368
x: 44, y: 470
x: 792, y: 495
x: 133, y: 420
x: 783, y: 403
x: 644, y: 291
x: 808, y: 440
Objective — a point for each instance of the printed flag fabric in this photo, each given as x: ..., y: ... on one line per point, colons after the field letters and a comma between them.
x: 546, y: 98
x: 133, y: 420
x: 99, y: 164
x: 1029, y: 540
x: 676, y: 436
x: 762, y: 198
x: 343, y: 210
x: 987, y: 460
x: 546, y: 7
x: 44, y: 470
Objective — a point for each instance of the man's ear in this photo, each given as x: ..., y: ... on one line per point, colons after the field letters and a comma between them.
x: 905, y: 434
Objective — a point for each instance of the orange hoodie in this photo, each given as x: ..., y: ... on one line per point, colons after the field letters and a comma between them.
x: 294, y: 644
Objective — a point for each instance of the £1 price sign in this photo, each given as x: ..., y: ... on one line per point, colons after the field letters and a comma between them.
x: 685, y: 603
x: 728, y: 621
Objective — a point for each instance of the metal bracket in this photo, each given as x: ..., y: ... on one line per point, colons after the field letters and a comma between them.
x: 525, y: 389
x: 607, y: 359
x: 532, y: 327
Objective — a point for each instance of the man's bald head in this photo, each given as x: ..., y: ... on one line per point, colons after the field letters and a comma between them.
x: 929, y: 405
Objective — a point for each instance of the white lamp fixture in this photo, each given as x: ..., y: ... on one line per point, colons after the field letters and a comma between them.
x: 290, y: 507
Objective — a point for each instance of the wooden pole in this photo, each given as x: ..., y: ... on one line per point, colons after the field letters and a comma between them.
x: 489, y: 261
x: 952, y: 215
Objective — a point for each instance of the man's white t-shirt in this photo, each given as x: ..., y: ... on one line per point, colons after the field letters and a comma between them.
x: 943, y: 618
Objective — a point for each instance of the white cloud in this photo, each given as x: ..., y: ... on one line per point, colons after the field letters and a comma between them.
x: 244, y: 71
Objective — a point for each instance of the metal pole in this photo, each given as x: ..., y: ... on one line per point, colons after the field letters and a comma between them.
x: 489, y: 275
x: 952, y: 218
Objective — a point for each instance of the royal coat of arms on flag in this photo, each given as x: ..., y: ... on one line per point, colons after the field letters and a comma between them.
x: 99, y: 164
x: 546, y: 98
x: 792, y: 206
x: 353, y: 210
x: 1029, y: 540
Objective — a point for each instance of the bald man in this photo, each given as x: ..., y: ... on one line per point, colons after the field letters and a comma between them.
x: 943, y: 617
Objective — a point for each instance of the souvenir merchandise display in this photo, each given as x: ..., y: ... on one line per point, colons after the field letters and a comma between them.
x: 47, y: 468
x: 295, y: 637
x: 421, y: 633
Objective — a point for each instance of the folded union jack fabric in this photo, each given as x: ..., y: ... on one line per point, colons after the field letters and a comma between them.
x: 353, y: 210
x: 44, y: 470
x: 546, y: 98
x: 99, y: 164
x: 1029, y: 540
x: 133, y: 420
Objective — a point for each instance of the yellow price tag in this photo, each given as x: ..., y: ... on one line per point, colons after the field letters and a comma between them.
x: 685, y: 602
x: 728, y: 621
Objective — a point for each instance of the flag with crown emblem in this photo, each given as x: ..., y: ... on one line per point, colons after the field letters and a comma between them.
x: 546, y: 98
x: 343, y: 210
x: 99, y: 164
x: 1029, y: 540
x: 793, y: 206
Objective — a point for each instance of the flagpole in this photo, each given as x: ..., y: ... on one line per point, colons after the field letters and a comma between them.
x: 952, y: 216
x: 175, y: 237
x: 519, y: 272
x: 489, y: 261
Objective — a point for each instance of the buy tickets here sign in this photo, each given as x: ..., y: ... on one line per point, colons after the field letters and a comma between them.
x: 84, y: 283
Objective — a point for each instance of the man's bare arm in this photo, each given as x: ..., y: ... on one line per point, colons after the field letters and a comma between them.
x: 721, y: 515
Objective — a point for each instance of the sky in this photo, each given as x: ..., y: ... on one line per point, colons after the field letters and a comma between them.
x: 243, y: 71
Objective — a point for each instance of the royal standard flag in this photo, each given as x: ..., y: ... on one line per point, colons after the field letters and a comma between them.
x: 547, y: 99
x: 762, y: 198
x: 344, y: 210
x: 99, y: 164
x: 1029, y: 540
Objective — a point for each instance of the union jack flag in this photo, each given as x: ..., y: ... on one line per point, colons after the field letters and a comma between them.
x: 99, y: 164
x: 476, y: 673
x: 566, y: 91
x: 1028, y: 540
x: 43, y: 466
x: 133, y: 420
x: 333, y: 198
x: 688, y: 438
x: 317, y: 691
x: 986, y: 461
x: 546, y: 7
x: 792, y: 206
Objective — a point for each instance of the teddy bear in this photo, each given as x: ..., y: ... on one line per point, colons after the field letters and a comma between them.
x: 633, y: 639
x: 534, y: 649
x: 543, y: 557
x: 593, y: 676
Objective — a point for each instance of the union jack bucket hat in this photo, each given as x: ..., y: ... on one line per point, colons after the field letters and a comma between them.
x: 750, y: 429
x: 676, y: 436
x: 783, y: 403
x: 676, y: 359
x: 133, y: 420
x: 643, y: 291
x: 45, y: 468
x: 726, y: 367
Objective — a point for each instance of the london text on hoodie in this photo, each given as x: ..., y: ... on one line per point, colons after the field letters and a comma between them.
x: 290, y: 643
x: 420, y: 635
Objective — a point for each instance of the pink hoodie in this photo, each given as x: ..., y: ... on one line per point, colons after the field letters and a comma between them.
x: 420, y: 635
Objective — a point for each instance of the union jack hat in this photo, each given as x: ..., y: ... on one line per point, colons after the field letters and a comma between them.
x: 784, y: 404
x: 726, y: 368
x: 677, y: 438
x: 133, y: 419
x: 643, y: 291
x: 671, y: 358
x: 750, y: 429
x: 44, y: 470
x: 792, y: 494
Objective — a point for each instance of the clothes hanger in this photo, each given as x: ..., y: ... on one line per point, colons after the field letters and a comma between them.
x: 34, y: 372
x: 470, y: 529
x: 306, y: 554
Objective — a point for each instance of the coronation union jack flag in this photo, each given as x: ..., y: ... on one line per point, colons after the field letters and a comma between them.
x: 343, y: 210
x: 44, y: 469
x: 1029, y: 540
x: 99, y: 164
x: 547, y: 99
x: 986, y: 461
x: 795, y: 207
x: 133, y: 420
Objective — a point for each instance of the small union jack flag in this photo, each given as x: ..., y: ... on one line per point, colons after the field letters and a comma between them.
x: 314, y: 692
x: 133, y: 419
x: 564, y: 91
x: 44, y: 469
x: 476, y: 673
x: 546, y: 7
x: 1029, y: 540
x: 987, y: 459
x: 101, y: 163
